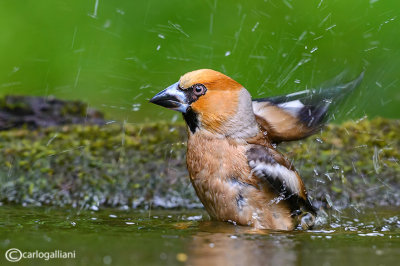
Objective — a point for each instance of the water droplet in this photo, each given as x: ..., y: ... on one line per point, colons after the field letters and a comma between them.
x: 107, y: 259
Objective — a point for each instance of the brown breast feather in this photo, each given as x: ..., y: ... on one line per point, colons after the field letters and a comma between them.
x: 223, y: 180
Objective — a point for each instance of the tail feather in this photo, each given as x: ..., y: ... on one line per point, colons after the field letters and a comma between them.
x: 300, y: 114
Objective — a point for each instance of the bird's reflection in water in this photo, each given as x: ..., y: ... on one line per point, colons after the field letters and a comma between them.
x: 219, y: 243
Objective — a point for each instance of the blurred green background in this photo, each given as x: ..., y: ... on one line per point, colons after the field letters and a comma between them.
x: 116, y: 54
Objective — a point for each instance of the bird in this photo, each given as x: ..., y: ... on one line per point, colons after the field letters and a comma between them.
x: 233, y: 163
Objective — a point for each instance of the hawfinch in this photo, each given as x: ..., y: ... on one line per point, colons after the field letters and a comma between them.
x: 233, y: 164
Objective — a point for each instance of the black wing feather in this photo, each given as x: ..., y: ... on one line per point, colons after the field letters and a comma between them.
x: 308, y: 107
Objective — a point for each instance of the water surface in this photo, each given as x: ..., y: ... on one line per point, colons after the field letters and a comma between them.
x: 177, y: 237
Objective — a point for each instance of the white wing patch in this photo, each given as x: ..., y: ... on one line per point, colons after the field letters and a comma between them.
x: 292, y: 104
x: 276, y: 171
x: 292, y: 107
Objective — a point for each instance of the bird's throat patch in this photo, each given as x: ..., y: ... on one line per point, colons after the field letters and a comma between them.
x: 192, y: 120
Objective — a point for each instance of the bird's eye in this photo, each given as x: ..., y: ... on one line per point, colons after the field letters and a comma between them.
x: 199, y: 89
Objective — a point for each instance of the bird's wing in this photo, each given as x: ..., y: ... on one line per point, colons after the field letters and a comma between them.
x: 272, y: 169
x: 300, y: 114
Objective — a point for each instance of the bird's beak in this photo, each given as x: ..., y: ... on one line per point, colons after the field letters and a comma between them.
x: 172, y: 98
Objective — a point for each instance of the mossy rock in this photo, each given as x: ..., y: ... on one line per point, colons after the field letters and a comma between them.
x: 34, y: 112
x: 119, y: 165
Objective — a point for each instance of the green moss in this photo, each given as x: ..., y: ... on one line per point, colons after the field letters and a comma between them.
x: 118, y: 165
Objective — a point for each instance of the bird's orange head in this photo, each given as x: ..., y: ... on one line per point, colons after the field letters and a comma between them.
x: 208, y: 100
